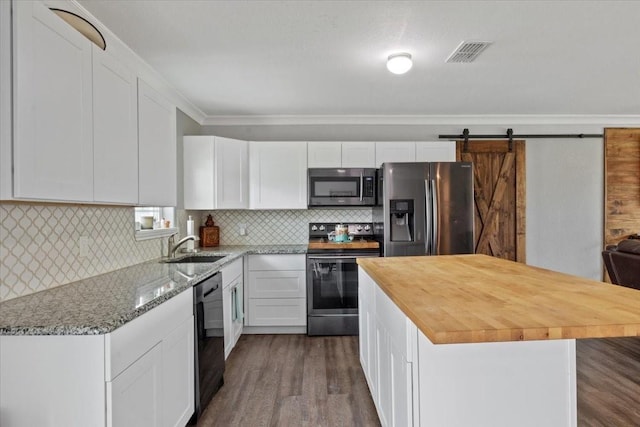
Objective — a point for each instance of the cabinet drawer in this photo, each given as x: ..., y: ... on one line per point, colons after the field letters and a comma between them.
x: 278, y: 312
x: 277, y: 284
x: 127, y: 343
x: 277, y: 262
x: 230, y: 272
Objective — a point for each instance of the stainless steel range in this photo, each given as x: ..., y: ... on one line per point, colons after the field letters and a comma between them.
x: 332, y: 276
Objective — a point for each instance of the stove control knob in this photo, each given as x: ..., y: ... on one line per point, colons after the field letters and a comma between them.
x: 314, y: 228
x: 322, y: 228
x: 359, y: 227
x: 367, y: 228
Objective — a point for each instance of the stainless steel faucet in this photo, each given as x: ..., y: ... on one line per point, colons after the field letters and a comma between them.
x: 172, y: 248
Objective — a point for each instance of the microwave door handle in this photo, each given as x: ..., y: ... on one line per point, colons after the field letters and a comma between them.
x: 361, y: 185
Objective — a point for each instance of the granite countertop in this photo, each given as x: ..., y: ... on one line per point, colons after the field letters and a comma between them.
x: 101, y: 304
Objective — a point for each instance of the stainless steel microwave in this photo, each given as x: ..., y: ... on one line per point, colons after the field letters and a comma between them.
x: 341, y: 187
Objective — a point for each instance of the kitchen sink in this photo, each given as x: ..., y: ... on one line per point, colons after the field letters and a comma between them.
x: 196, y: 258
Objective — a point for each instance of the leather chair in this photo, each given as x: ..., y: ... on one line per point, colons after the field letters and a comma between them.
x: 623, y: 263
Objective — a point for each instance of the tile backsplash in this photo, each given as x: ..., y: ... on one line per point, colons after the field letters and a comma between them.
x: 40, y: 244
x: 282, y: 227
x: 40, y: 249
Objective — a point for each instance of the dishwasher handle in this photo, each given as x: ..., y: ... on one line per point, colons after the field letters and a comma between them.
x: 215, y: 288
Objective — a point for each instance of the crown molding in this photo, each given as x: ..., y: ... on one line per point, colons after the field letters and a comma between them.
x: 130, y: 58
x: 433, y: 120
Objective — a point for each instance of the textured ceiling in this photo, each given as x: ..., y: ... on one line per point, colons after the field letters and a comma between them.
x: 252, y: 58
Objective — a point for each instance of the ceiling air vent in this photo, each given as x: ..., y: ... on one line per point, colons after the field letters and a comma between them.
x: 467, y: 51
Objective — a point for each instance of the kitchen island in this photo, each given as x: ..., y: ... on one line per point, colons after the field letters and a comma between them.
x: 475, y: 340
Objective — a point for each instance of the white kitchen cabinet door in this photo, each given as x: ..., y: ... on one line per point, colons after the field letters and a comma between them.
x: 277, y: 312
x: 115, y: 127
x: 178, y: 400
x: 278, y: 175
x: 358, y: 154
x: 6, y: 160
x: 238, y: 319
x: 227, y: 312
x: 436, y: 151
x: 277, y: 284
x: 231, y: 173
x: 53, y: 149
x: 199, y: 174
x: 324, y: 154
x: 156, y: 148
x: 395, y: 152
x: 233, y: 301
x: 134, y: 396
x: 387, y: 344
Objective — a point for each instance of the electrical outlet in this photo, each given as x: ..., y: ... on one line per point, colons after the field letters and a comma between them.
x: 83, y: 243
x: 242, y: 229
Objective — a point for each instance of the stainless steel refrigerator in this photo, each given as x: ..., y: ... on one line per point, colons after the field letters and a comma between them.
x: 425, y: 209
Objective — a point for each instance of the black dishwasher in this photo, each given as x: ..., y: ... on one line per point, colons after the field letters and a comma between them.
x: 209, y: 342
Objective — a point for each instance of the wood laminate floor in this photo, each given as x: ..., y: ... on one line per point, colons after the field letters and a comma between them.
x: 292, y: 380
x: 608, y: 382
x: 295, y: 380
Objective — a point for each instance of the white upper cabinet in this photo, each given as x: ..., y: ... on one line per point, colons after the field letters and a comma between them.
x: 199, y: 172
x: 53, y: 150
x: 324, y: 154
x: 331, y: 154
x: 231, y: 173
x: 115, y: 124
x: 358, y: 155
x: 278, y: 175
x: 436, y: 151
x: 216, y: 173
x: 395, y: 152
x: 157, y: 178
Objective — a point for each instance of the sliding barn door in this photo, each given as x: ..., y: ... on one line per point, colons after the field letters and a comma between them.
x: 499, y: 187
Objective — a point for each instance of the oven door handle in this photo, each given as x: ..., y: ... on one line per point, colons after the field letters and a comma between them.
x: 337, y: 257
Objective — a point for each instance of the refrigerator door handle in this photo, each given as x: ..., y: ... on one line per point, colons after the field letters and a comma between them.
x: 361, y: 185
x: 427, y: 216
x: 434, y: 222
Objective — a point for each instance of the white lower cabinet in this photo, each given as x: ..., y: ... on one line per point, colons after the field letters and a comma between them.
x: 276, y: 291
x: 178, y: 375
x: 233, y: 303
x: 141, y: 374
x: 387, y: 352
x: 133, y: 397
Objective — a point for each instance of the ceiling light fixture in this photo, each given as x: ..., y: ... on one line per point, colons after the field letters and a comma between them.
x: 399, y: 63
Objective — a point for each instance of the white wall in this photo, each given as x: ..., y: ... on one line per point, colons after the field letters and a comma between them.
x: 564, y: 181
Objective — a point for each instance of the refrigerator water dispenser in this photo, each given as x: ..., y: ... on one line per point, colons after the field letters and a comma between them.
x: 402, y: 218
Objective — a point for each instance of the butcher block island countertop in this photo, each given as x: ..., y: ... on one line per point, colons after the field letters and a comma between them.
x: 478, y: 298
